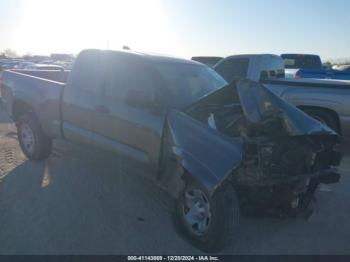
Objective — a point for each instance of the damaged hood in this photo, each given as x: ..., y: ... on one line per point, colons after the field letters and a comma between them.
x: 261, y: 107
x: 210, y: 156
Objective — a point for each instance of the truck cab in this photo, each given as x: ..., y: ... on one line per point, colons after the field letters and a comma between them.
x: 310, y: 66
x: 294, y: 63
x: 253, y: 67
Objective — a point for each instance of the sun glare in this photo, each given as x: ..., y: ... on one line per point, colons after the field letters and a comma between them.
x: 69, y: 26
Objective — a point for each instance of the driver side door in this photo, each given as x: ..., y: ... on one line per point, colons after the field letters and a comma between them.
x: 128, y: 130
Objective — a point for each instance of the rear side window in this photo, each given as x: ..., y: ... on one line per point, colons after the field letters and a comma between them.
x: 272, y: 74
x: 233, y: 68
x: 87, y: 74
x: 123, y: 73
x: 310, y: 62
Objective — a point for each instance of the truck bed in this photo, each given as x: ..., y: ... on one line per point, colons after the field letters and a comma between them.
x: 40, y: 90
x: 53, y: 75
x: 325, y: 74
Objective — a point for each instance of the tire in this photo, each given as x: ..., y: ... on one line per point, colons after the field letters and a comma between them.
x: 324, y: 117
x: 224, y: 218
x: 32, y: 140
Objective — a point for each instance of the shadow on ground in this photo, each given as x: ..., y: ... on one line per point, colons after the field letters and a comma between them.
x: 82, y: 203
x: 74, y: 205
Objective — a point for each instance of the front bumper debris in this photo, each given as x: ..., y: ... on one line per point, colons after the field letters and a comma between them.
x: 327, y: 176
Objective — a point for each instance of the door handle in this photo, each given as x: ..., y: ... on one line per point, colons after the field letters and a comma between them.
x: 101, y: 109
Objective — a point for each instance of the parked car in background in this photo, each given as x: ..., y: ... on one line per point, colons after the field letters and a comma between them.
x: 254, y: 67
x: 214, y: 146
x: 325, y: 100
x: 43, y: 67
x: 343, y: 68
x: 1, y: 103
x: 293, y: 63
x: 327, y: 66
x: 207, y: 60
x: 47, y: 62
x: 309, y: 66
x: 24, y: 65
x: 8, y: 64
x: 67, y: 65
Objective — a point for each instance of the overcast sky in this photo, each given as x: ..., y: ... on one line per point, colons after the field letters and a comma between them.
x: 181, y: 28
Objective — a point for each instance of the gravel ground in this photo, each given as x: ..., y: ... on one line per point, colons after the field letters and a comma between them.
x: 79, y: 203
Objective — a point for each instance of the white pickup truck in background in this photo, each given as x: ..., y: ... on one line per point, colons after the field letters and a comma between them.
x: 325, y: 100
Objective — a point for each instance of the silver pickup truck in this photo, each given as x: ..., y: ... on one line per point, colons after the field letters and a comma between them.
x: 325, y: 100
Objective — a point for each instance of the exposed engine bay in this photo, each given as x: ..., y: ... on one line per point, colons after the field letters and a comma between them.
x: 286, y: 153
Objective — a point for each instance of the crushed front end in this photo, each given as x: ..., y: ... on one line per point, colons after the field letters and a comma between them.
x: 286, y: 153
x: 283, y: 174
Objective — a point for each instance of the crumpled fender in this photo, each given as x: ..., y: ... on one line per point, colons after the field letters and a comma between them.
x: 207, y: 155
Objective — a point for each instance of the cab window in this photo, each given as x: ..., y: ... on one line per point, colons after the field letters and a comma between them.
x: 233, y: 68
x: 124, y: 73
x: 87, y: 74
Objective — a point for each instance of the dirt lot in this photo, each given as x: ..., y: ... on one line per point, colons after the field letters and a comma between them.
x: 78, y: 203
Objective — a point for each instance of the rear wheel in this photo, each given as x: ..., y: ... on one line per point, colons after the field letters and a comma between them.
x: 324, y: 117
x: 209, y: 222
x: 33, y: 141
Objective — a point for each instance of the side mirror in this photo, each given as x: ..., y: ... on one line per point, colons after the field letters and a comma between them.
x: 140, y: 98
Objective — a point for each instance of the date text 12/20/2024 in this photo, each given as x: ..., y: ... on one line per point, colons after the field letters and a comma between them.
x: 173, y: 258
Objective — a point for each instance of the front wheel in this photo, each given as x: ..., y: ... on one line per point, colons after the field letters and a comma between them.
x: 209, y: 222
x: 33, y: 141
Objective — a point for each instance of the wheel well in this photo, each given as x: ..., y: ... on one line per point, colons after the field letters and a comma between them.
x: 20, y: 108
x: 327, y: 110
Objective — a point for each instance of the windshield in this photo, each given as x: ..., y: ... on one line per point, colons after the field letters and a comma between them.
x: 311, y: 62
x: 189, y: 82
